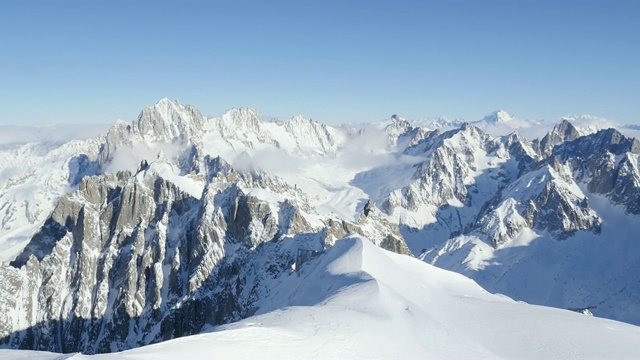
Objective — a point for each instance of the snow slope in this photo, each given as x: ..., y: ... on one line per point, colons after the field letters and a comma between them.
x: 595, y: 272
x: 337, y: 168
x: 33, y: 176
x: 15, y: 135
x: 359, y: 301
x: 541, y: 221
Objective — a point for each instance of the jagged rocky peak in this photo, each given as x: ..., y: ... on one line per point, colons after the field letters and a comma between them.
x: 247, y: 129
x: 299, y: 120
x: 137, y: 257
x: 241, y: 119
x: 470, y: 139
x: 514, y: 138
x: 100, y: 266
x: 251, y: 221
x: 517, y: 143
x: 467, y: 136
x: 546, y: 199
x: 447, y: 179
x: 626, y: 186
x: 607, y: 162
x: 127, y: 254
x: 397, y: 129
x: 131, y: 259
x: 522, y: 150
x: 470, y: 129
x: 166, y: 122
x: 313, y: 137
x: 399, y: 123
x: 301, y: 125
x: 610, y: 140
x: 564, y: 131
x: 217, y: 167
x: 418, y: 139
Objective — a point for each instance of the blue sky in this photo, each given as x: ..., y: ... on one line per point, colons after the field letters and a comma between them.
x: 334, y: 61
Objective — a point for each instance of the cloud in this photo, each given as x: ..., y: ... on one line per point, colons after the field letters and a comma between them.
x: 368, y: 149
x: 129, y: 158
x: 276, y: 161
x: 54, y: 134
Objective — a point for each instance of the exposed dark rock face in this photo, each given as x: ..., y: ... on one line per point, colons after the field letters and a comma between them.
x: 135, y: 258
x: 450, y: 161
x: 608, y: 162
x: 522, y: 152
x: 565, y: 131
x: 166, y: 122
x: 130, y: 259
x: 550, y: 205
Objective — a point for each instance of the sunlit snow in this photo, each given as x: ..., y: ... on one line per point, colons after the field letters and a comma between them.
x: 359, y: 301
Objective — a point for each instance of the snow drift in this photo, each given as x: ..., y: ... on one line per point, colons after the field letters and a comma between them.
x: 359, y: 301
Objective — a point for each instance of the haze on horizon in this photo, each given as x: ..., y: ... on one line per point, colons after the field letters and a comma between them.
x: 335, y: 62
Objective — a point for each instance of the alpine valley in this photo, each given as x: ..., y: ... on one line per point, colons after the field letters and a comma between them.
x: 275, y: 238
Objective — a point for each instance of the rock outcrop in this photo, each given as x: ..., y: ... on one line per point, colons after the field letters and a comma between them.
x: 131, y: 259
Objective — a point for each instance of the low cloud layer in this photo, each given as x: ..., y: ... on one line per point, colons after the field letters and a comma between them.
x: 56, y: 134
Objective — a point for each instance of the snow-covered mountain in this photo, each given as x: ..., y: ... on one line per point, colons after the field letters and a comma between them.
x: 358, y: 301
x: 33, y: 176
x: 176, y: 221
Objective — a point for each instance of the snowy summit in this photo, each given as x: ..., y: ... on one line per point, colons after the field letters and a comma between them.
x: 184, y: 235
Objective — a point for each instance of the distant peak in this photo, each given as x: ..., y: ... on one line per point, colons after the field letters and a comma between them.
x: 565, y: 122
x: 299, y: 118
x: 248, y: 117
x: 242, y: 111
x: 467, y: 126
x: 166, y: 101
x: 575, y: 117
x: 398, y: 124
x: 162, y: 105
x: 498, y: 116
x: 564, y: 127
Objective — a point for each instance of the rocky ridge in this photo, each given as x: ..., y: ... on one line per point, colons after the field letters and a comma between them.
x: 173, y: 222
x: 132, y: 258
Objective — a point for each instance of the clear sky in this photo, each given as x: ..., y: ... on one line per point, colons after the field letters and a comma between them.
x: 333, y: 61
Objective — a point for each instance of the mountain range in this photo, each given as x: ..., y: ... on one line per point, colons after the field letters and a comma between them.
x: 178, y: 223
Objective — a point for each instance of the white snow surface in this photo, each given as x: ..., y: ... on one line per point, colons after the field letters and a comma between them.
x: 596, y: 272
x: 337, y: 168
x: 11, y: 136
x: 33, y: 176
x: 501, y: 123
x: 359, y: 301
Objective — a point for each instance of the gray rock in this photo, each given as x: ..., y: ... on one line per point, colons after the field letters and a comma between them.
x: 130, y: 259
x: 564, y: 131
